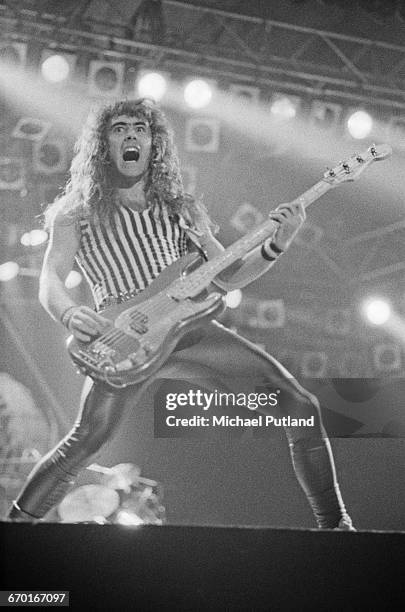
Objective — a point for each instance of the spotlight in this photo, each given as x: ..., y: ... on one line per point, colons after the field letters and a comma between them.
x: 55, y: 68
x: 387, y: 357
x: 73, y: 279
x: 8, y: 271
x: 50, y: 156
x: 30, y: 128
x: 26, y: 239
x: 284, y: 107
x: 34, y: 238
x: 233, y: 298
x: 359, y: 124
x: 377, y: 311
x: 105, y: 78
x: 152, y: 85
x: 202, y: 135
x: 270, y: 314
x: 314, y: 364
x: 198, y: 93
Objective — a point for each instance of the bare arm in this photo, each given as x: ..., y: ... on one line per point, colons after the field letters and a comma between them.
x: 81, y: 320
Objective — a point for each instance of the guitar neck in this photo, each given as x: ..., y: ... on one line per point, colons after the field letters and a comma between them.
x: 193, y: 284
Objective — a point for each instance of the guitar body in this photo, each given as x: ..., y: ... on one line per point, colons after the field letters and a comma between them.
x: 146, y: 328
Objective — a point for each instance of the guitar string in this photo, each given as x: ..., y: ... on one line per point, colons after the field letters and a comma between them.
x: 324, y: 185
x: 116, y: 335
x: 112, y: 337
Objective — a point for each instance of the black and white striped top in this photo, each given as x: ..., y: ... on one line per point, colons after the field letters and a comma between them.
x: 119, y: 264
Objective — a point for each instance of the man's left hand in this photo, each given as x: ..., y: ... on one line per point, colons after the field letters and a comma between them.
x: 290, y: 217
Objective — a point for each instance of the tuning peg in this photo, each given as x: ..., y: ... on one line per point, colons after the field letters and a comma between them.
x: 346, y: 167
x: 359, y: 158
x: 329, y: 172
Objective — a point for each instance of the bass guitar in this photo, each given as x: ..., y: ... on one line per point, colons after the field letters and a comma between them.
x: 146, y: 329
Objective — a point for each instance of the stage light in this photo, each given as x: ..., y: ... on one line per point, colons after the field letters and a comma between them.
x: 73, y: 279
x: 50, y: 156
x: 55, y: 68
x: 284, y: 107
x: 152, y: 85
x: 38, y: 236
x: 270, y: 314
x: 198, y: 93
x: 359, y: 124
x: 202, y: 134
x: 8, y: 271
x: 387, y: 357
x: 233, y: 298
x: 377, y: 311
x: 105, y: 78
x: 29, y: 128
x: 26, y: 239
x: 314, y: 364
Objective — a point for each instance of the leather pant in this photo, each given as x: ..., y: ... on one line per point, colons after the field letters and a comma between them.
x: 222, y: 354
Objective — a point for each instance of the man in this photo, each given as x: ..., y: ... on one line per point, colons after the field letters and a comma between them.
x: 124, y: 217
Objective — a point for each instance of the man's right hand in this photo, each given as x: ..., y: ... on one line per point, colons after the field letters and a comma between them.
x: 85, y: 324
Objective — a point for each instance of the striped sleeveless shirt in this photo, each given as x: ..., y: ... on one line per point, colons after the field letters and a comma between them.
x: 119, y: 264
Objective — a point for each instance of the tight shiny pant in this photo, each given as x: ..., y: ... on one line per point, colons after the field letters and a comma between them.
x: 230, y: 363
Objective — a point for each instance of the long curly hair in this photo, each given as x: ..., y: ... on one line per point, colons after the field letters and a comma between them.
x: 89, y: 192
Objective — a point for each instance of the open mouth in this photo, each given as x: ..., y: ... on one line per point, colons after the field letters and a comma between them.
x: 131, y: 154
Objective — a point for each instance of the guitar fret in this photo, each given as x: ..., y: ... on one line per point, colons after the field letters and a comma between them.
x: 146, y: 358
x: 195, y: 282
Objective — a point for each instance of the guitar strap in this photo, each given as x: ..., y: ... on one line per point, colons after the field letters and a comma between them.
x: 193, y: 235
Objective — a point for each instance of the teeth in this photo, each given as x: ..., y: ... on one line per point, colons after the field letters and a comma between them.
x: 131, y: 153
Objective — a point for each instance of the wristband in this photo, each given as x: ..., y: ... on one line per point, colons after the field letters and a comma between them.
x: 66, y: 315
x: 269, y: 251
x: 276, y: 249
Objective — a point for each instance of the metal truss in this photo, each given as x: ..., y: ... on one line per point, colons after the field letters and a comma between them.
x: 222, y: 44
x: 242, y: 49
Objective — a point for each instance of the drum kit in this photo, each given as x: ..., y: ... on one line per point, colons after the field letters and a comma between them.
x: 122, y: 497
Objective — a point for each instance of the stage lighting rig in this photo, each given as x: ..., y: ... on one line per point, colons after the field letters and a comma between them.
x: 148, y: 21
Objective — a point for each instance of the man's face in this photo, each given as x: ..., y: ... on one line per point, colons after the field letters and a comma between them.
x: 130, y: 143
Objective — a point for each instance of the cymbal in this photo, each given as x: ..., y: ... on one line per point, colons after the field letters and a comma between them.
x: 87, y: 502
x: 121, y: 476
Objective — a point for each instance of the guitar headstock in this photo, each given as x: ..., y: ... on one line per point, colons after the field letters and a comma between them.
x: 351, y: 169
